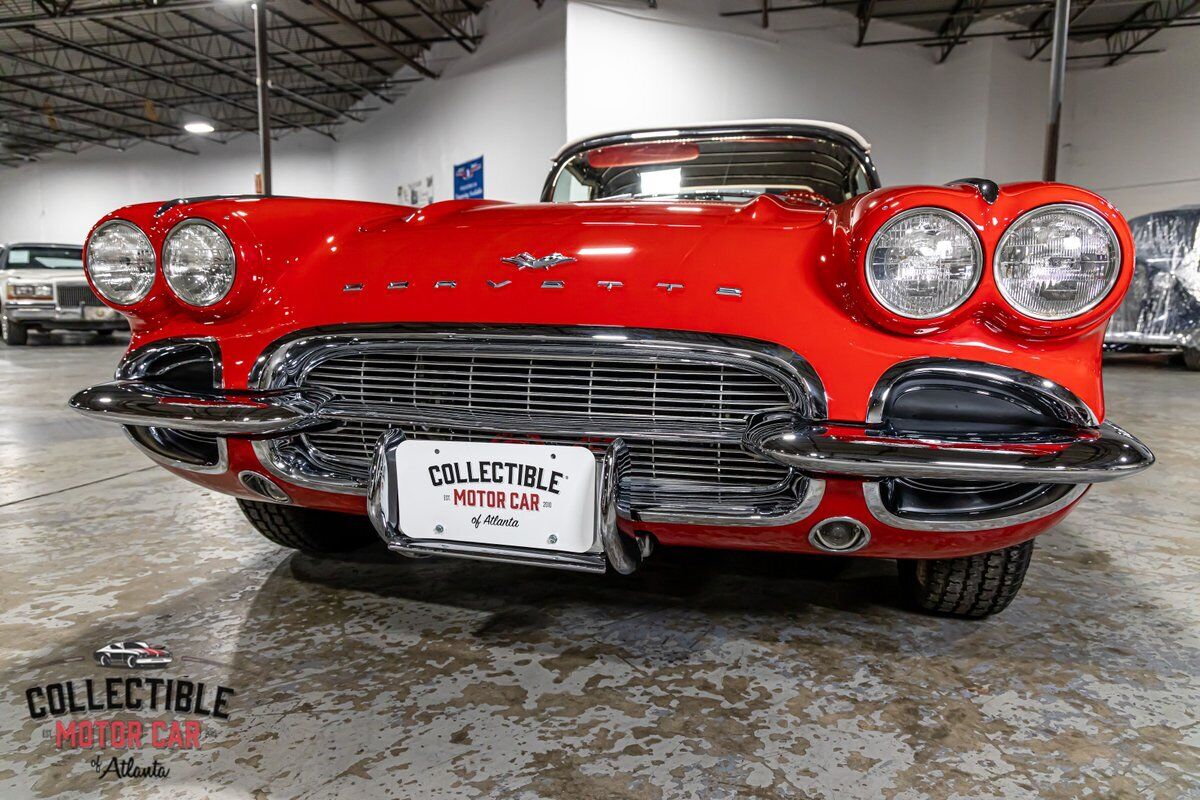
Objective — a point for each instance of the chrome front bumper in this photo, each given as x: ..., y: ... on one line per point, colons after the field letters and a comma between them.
x: 49, y: 314
x: 1072, y: 456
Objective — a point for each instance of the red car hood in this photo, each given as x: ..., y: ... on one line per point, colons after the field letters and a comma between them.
x: 608, y: 241
x: 772, y: 269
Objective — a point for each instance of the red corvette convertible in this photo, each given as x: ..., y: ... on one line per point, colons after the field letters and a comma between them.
x: 723, y: 336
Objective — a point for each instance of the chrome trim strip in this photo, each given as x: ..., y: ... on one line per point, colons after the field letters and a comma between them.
x: 352, y: 287
x: 1077, y: 456
x: 1069, y: 408
x: 221, y: 465
x: 139, y: 364
x: 393, y: 285
x: 874, y: 499
x: 729, y: 291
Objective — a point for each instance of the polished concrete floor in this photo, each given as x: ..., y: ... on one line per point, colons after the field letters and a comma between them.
x: 703, y: 677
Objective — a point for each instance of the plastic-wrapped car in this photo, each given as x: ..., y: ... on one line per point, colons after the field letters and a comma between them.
x: 1162, y: 308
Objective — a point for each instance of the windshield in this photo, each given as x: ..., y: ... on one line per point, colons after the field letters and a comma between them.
x: 44, y: 258
x: 722, y: 169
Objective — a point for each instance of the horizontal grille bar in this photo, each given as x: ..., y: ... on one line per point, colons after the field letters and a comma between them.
x: 74, y: 296
x: 352, y: 445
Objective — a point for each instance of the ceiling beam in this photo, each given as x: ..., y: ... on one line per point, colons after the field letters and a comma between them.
x: 112, y: 12
x: 249, y: 47
x: 1152, y: 18
x: 334, y: 12
x: 147, y: 37
x: 448, y: 27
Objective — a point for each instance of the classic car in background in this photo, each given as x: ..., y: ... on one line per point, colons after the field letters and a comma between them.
x: 724, y: 336
x: 1161, y: 312
x: 133, y: 655
x: 42, y: 287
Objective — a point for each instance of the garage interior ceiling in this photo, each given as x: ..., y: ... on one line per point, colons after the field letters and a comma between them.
x: 1109, y: 31
x: 110, y: 73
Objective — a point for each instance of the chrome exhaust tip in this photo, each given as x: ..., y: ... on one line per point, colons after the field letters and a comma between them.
x: 839, y: 535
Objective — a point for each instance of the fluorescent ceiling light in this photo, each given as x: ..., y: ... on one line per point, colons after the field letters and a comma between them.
x: 198, y: 127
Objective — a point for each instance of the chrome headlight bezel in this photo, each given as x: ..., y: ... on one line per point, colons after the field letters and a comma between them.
x: 173, y: 278
x: 977, y: 261
x: 152, y: 273
x: 1083, y: 211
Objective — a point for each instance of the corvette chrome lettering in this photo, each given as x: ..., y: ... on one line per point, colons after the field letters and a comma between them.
x: 528, y: 476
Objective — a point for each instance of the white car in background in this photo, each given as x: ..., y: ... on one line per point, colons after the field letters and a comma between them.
x: 42, y: 287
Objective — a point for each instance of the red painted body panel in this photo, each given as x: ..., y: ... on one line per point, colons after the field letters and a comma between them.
x: 797, y: 264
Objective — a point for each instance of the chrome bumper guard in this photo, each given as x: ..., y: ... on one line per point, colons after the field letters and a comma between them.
x: 1080, y: 455
x: 218, y: 412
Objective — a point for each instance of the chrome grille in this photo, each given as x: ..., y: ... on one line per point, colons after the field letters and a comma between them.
x: 75, y: 296
x: 680, y: 401
x: 533, y: 384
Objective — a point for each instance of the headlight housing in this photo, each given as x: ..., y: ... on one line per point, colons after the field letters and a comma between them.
x: 120, y: 262
x: 924, y: 263
x: 1057, y: 262
x: 30, y: 291
x: 199, y: 262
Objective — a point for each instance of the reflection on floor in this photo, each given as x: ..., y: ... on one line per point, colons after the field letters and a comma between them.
x: 706, y: 676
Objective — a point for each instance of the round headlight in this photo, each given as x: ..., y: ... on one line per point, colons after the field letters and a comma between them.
x: 924, y: 263
x: 198, y: 262
x: 1057, y: 262
x: 120, y: 261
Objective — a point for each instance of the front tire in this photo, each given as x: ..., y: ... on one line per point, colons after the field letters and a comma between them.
x: 105, y: 660
x: 14, y: 333
x: 971, y: 587
x: 309, y: 530
x: 1191, y: 358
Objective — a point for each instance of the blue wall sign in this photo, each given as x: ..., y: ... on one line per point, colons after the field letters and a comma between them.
x: 468, y: 179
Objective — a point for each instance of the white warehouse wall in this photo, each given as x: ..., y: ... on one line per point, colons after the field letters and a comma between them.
x: 504, y: 103
x: 1132, y: 129
x: 628, y: 66
x: 58, y: 198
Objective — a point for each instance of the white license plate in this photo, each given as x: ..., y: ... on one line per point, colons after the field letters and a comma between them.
x: 98, y: 313
x: 516, y: 495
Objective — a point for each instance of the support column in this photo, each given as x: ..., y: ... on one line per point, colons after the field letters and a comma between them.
x: 264, y: 101
x: 1058, y: 74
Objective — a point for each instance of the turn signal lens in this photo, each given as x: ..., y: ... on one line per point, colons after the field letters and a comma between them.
x: 120, y: 262
x: 198, y: 262
x: 1057, y: 262
x: 924, y: 263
